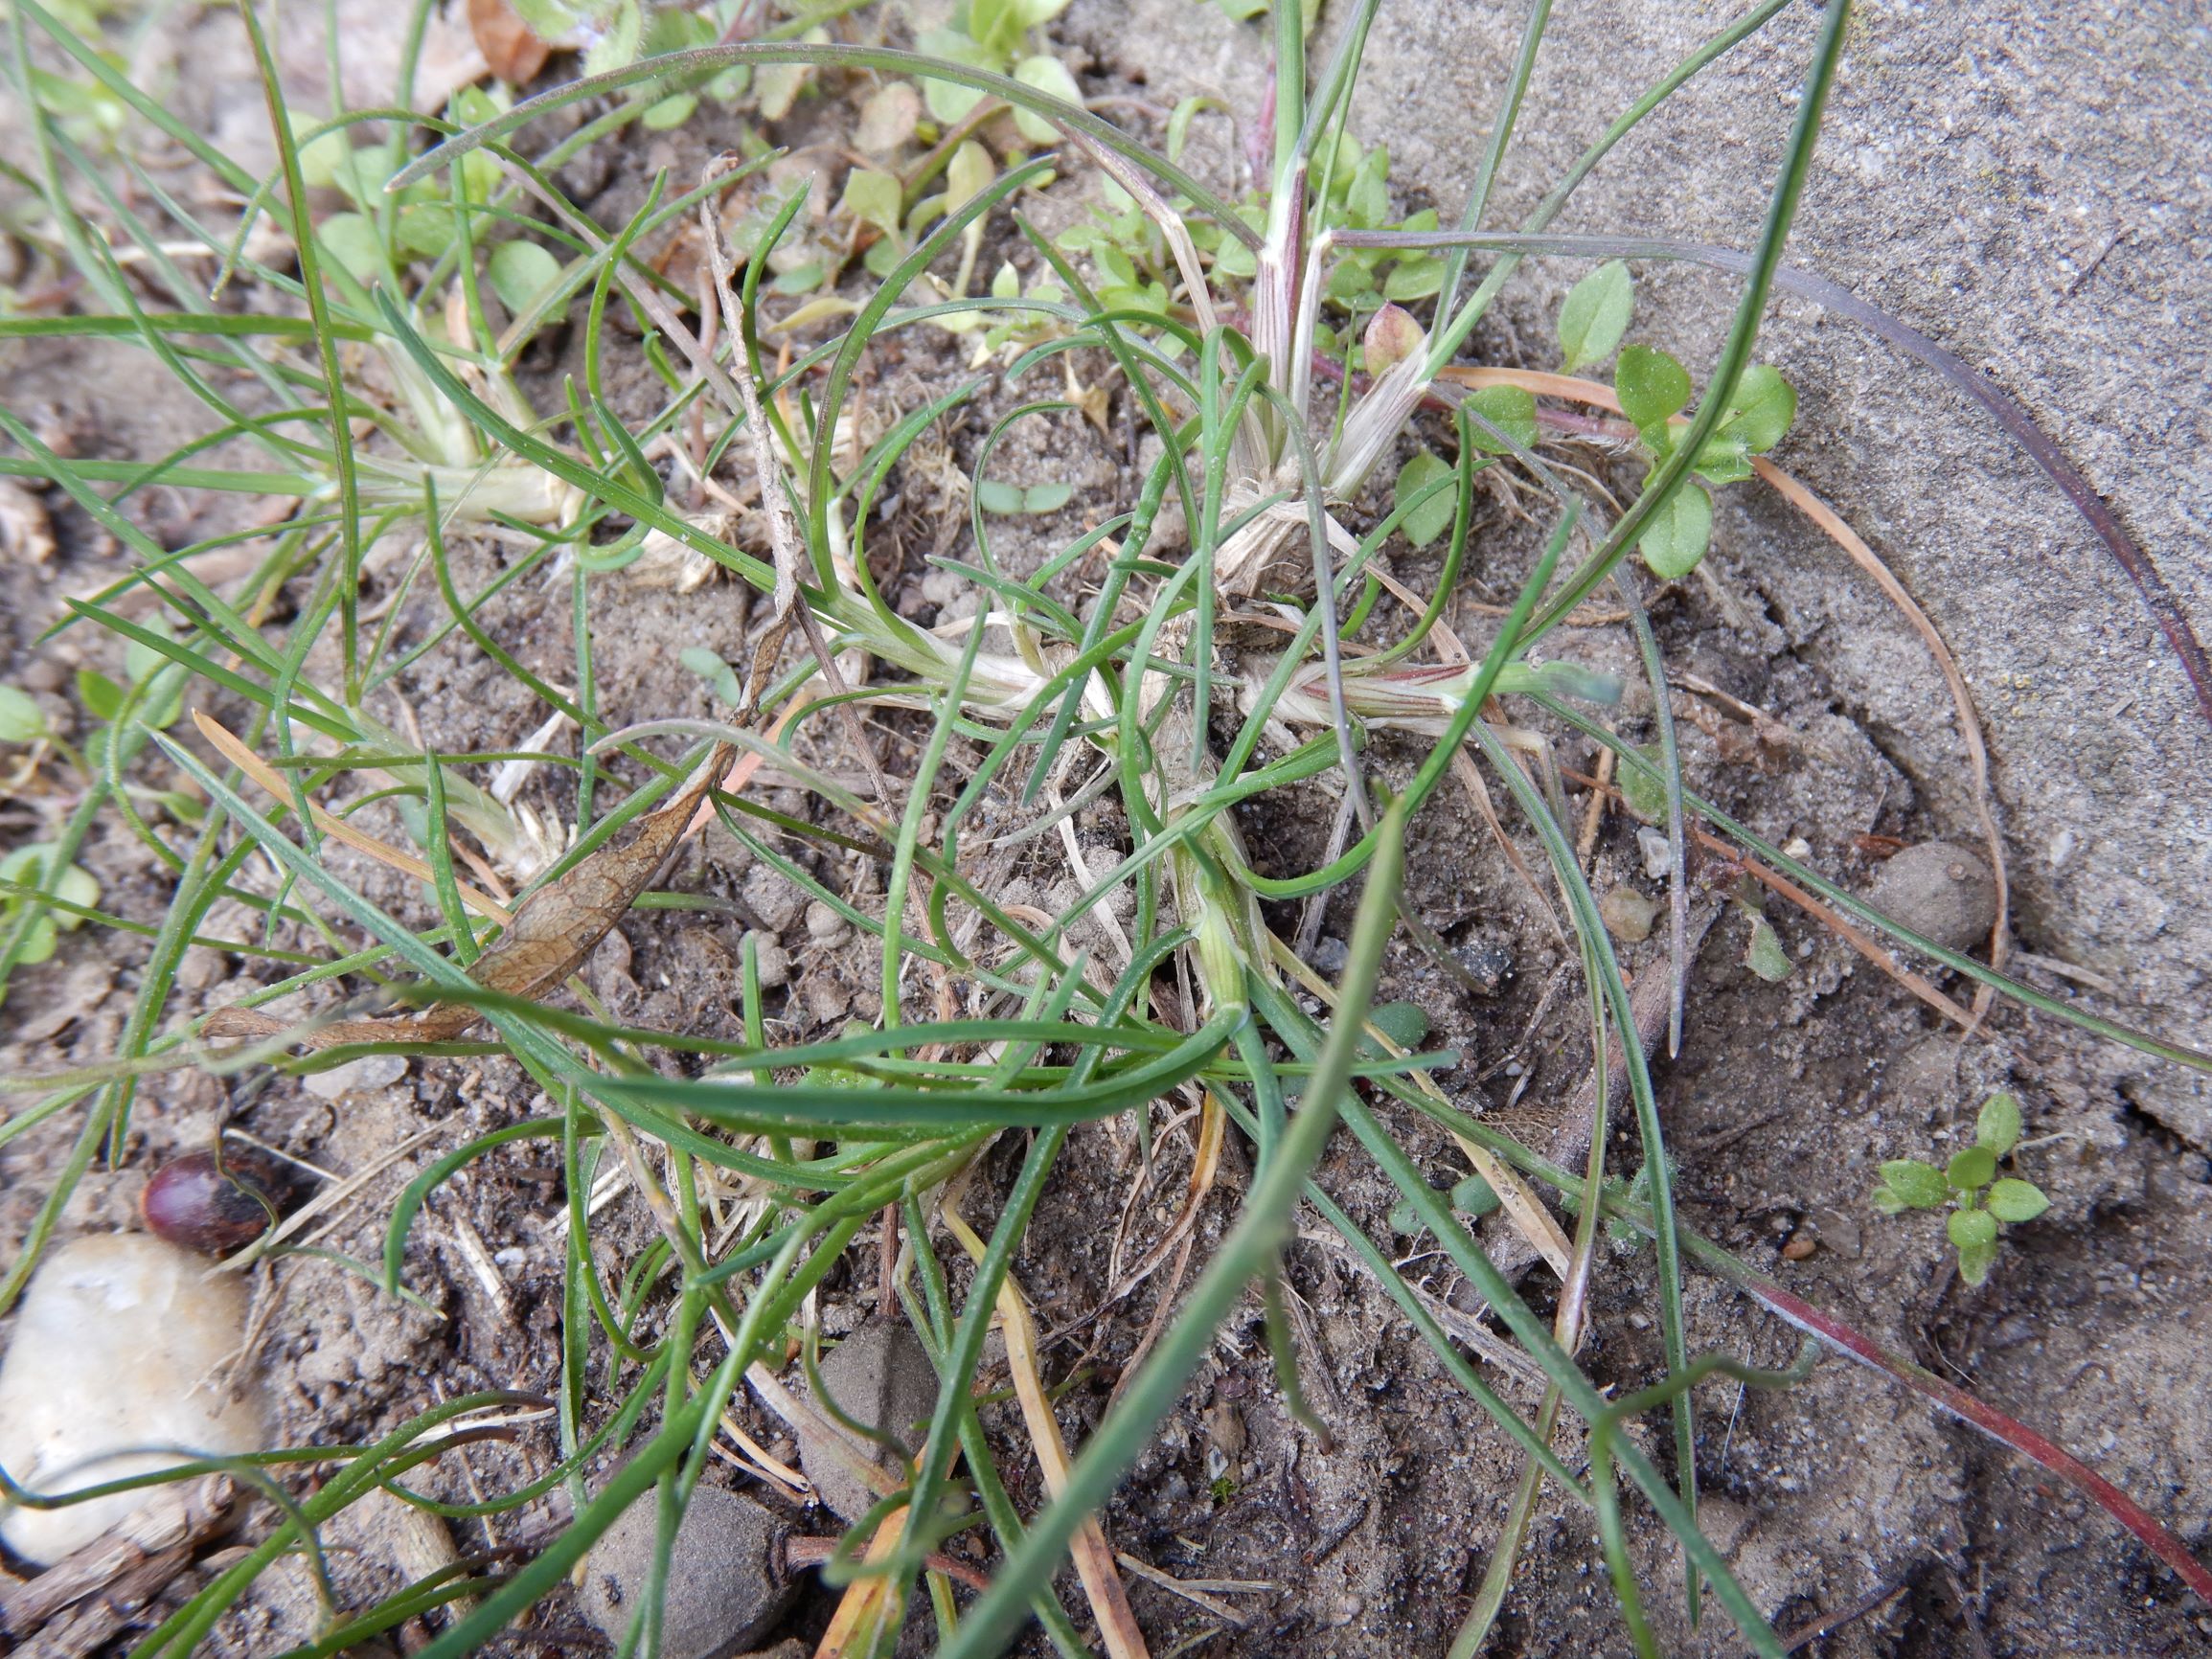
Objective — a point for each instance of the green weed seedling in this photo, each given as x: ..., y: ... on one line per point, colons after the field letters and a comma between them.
x: 1979, y: 1199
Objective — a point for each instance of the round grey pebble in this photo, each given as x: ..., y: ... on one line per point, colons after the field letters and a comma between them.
x: 878, y: 1376
x: 726, y: 1583
x: 1328, y: 956
x: 1940, y: 891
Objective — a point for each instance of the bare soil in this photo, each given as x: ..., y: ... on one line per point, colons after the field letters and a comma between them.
x: 1782, y: 1100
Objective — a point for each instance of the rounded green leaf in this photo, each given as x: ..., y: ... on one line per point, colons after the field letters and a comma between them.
x: 1402, y: 1022
x: 1998, y: 1125
x: 1433, y: 517
x: 520, y: 272
x: 1644, y: 794
x: 1916, y: 1185
x: 1972, y: 1228
x: 21, y: 719
x: 351, y: 241
x: 1415, y: 277
x: 2015, y: 1200
x: 1048, y: 74
x: 1595, y: 315
x: 671, y: 112
x: 1764, y: 955
x: 1761, y: 409
x: 1474, y: 1197
x: 1508, y: 408
x: 1974, y: 1261
x: 1973, y: 1168
x: 38, y: 941
x: 1651, y: 385
x: 1678, y: 534
x: 873, y: 198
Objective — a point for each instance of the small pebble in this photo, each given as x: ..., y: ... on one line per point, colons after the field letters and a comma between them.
x: 1656, y: 856
x: 1941, y: 892
x: 879, y: 1377
x: 1328, y: 956
x: 1628, y: 915
x: 726, y: 1584
x: 773, y: 961
x: 117, y: 1333
x: 823, y: 922
x: 1801, y: 1245
x: 1486, y: 963
x: 362, y: 1077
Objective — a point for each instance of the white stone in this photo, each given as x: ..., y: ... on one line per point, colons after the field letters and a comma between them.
x: 116, y: 1335
x: 362, y: 1077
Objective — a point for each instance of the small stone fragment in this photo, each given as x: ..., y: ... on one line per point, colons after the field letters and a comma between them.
x: 1658, y: 854
x: 881, y: 1378
x: 773, y: 961
x: 1628, y: 915
x: 1941, y: 892
x: 1328, y: 956
x: 1485, y: 966
x: 118, y: 1334
x: 1800, y: 1247
x: 362, y: 1077
x: 823, y: 922
x: 726, y: 1584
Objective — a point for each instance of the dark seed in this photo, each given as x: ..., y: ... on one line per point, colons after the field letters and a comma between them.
x: 196, y: 1203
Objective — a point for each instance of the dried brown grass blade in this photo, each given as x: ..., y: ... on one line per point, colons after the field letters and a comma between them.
x: 863, y: 1609
x: 551, y: 933
x: 1094, y: 1561
x: 232, y: 749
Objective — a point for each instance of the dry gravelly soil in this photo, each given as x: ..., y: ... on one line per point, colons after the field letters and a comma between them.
x: 1785, y: 1098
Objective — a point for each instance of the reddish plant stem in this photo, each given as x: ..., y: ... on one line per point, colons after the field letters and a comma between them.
x: 1978, y: 1413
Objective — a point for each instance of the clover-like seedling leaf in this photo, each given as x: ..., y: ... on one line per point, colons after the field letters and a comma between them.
x: 1764, y: 955
x: 874, y: 198
x: 21, y: 719
x: 1474, y: 1197
x: 1974, y: 1261
x: 1508, y: 408
x: 1914, y: 1184
x: 1433, y: 517
x: 1595, y: 315
x: 1644, y: 793
x: 521, y: 271
x: 101, y: 697
x: 1972, y: 1169
x: 1762, y: 408
x: 2013, y: 1199
x: 1051, y: 77
x: 1402, y: 1022
x: 1970, y: 1229
x: 1651, y: 385
x: 1998, y: 1125
x: 1678, y: 534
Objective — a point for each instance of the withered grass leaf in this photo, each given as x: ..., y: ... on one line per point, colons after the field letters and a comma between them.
x: 551, y: 935
x: 513, y: 52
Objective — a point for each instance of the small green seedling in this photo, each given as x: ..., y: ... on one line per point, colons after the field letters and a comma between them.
x: 30, y: 877
x: 1969, y: 1184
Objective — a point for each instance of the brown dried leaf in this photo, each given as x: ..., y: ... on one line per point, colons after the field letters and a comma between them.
x: 551, y: 935
x: 513, y: 53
